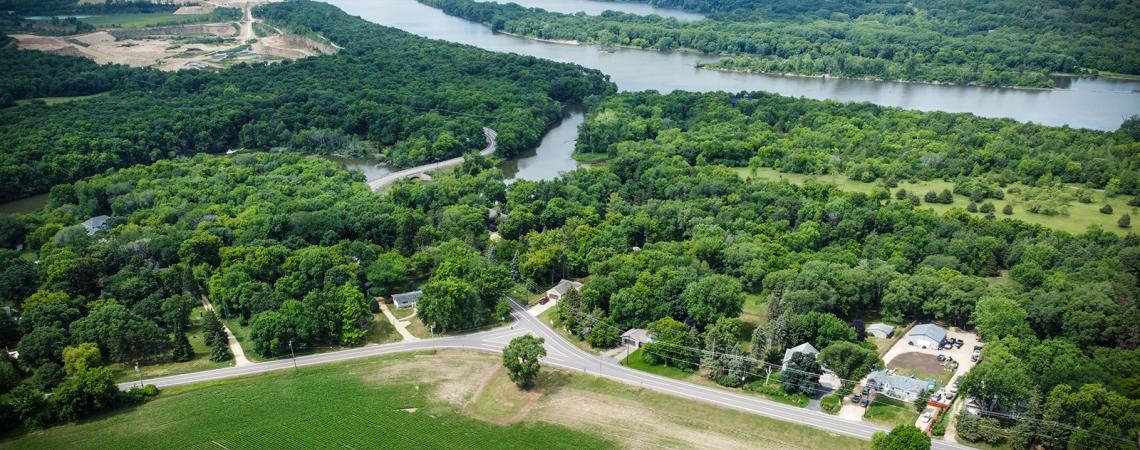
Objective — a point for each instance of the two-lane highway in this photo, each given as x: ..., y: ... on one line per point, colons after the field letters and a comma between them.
x: 563, y: 354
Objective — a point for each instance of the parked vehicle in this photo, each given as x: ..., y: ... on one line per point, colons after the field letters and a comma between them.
x: 941, y: 357
x: 866, y: 390
x: 926, y: 417
x: 864, y: 403
x: 856, y: 398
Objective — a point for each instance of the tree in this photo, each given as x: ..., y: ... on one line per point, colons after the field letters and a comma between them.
x: 356, y: 318
x: 673, y: 344
x: 850, y: 361
x: 42, y: 345
x: 972, y: 207
x: 902, y: 437
x: 388, y: 274
x: 801, y: 374
x: 521, y: 359
x: 1007, y: 209
x: 820, y: 329
x: 81, y: 357
x: 202, y: 248
x: 1000, y: 381
x: 180, y: 348
x: 1125, y: 221
x: 998, y: 317
x: 84, y: 393
x: 930, y: 197
x: 946, y: 197
x: 713, y: 297
x: 1106, y: 209
x: 604, y: 334
x: 976, y: 428
x: 121, y: 334
x: 986, y: 208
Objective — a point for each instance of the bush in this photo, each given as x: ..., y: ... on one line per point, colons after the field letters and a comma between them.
x: 1125, y: 221
x: 972, y: 207
x: 831, y: 403
x: 1106, y: 209
x: 987, y: 208
x: 137, y: 395
x: 978, y: 429
x: 930, y: 197
x: 1007, y: 209
x: 940, y: 427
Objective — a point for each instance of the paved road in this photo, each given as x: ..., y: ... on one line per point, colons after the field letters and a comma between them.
x: 393, y: 177
x: 565, y: 355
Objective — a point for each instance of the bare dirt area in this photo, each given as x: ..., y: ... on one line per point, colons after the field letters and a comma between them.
x: 191, y: 10
x: 919, y: 362
x: 454, y: 376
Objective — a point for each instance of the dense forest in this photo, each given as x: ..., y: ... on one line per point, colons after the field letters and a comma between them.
x: 1000, y: 43
x: 861, y: 140
x: 415, y: 99
x: 45, y: 7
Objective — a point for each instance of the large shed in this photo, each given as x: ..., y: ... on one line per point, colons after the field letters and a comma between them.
x: 927, y: 335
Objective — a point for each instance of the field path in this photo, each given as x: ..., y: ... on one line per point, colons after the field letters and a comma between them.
x: 401, y: 326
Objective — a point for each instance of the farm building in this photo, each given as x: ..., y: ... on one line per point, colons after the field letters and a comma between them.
x: 802, y: 348
x: 407, y: 299
x: 927, y: 335
x: 880, y: 330
x: 562, y: 288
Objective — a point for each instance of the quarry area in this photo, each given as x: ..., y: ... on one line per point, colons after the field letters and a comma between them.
x: 193, y: 44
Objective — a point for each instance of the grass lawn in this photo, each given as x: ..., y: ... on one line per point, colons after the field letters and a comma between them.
x: 550, y: 315
x: 143, y: 20
x: 1081, y: 215
x: 637, y: 361
x: 425, y: 400
x: 890, y: 412
x: 241, y: 333
x: 382, y: 331
x: 126, y: 371
x: 831, y: 403
x: 58, y: 100
x: 774, y: 391
x: 589, y: 157
x: 755, y: 309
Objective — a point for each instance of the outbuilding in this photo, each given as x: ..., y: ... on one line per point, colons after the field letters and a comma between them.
x: 407, y: 299
x: 880, y: 330
x: 927, y: 335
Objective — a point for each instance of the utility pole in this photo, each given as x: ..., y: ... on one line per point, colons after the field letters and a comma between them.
x: 139, y: 372
x: 294, y: 356
x: 431, y: 329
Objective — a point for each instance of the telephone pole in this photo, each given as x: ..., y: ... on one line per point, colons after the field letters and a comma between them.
x: 294, y: 356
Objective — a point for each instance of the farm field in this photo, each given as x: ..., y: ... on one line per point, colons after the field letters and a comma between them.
x: 144, y: 20
x: 424, y: 400
x: 1081, y: 215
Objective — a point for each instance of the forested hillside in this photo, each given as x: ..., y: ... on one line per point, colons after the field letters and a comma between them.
x: 999, y: 43
x: 413, y: 99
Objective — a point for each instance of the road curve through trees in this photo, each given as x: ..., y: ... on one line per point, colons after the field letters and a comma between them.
x: 564, y: 355
x: 413, y: 172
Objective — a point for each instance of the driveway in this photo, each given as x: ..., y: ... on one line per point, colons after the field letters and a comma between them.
x: 961, y: 355
x: 400, y: 325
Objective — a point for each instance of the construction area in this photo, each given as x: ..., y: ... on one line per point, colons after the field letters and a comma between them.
x: 194, y: 46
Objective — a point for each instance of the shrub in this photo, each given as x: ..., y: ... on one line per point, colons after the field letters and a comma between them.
x: 1106, y: 209
x: 1125, y: 221
x: 972, y: 207
x: 1007, y: 210
x: 987, y: 208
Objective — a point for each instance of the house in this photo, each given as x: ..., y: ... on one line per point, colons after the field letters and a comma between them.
x: 802, y: 348
x: 927, y: 335
x: 880, y: 330
x: 635, y: 337
x: 407, y: 299
x: 896, y: 386
x: 562, y: 288
x: 95, y: 224
x: 973, y: 406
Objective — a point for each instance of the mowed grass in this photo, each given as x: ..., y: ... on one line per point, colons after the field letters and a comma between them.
x: 636, y: 360
x: 331, y: 406
x: 126, y: 372
x: 890, y: 412
x: 144, y: 20
x: 1081, y: 215
x: 59, y: 100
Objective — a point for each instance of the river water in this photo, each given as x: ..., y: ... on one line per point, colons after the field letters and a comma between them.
x: 594, y: 7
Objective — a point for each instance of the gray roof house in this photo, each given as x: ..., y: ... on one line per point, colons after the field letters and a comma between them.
x: 407, y: 299
x: 896, y: 386
x: 95, y: 224
x: 927, y: 331
x: 562, y: 288
x: 880, y: 330
x: 636, y: 337
x: 806, y: 347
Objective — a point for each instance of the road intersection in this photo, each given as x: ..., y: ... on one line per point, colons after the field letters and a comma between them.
x: 564, y: 355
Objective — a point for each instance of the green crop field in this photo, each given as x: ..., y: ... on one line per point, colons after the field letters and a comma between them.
x: 144, y: 20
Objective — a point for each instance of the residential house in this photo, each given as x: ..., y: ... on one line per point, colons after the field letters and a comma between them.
x: 407, y: 299
x: 806, y: 347
x: 635, y: 337
x: 897, y: 386
x: 562, y: 288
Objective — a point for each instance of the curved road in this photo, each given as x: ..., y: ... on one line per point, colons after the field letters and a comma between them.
x: 381, y: 182
x: 565, y: 355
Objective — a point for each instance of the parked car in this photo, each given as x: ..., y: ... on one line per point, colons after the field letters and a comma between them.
x: 959, y: 343
x: 974, y: 358
x: 864, y: 403
x: 544, y: 300
x: 856, y: 398
x: 941, y: 357
x: 866, y: 390
x: 926, y: 417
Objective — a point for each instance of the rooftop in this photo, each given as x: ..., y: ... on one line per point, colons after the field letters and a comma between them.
x: 929, y: 330
x: 564, y: 286
x: 806, y: 347
x: 406, y: 299
x: 897, y: 382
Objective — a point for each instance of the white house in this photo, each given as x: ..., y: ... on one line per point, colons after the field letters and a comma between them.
x: 407, y: 299
x: 562, y: 288
x: 802, y: 348
x: 896, y: 386
x: 635, y: 337
x: 927, y: 335
x: 880, y: 330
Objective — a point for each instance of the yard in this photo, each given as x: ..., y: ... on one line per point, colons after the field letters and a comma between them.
x: 144, y: 20
x: 890, y: 412
x: 463, y: 398
x: 636, y: 360
x: 126, y: 372
x: 922, y: 366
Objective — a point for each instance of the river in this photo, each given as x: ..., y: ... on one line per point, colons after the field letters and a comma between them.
x: 1095, y: 103
x: 594, y: 7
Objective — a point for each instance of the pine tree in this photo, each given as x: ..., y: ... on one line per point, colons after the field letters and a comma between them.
x: 220, y: 350
x: 946, y: 197
x: 1125, y: 221
x: 987, y: 208
x: 972, y: 207
x: 182, y: 350
x: 930, y: 197
x: 1106, y: 209
x: 1007, y: 209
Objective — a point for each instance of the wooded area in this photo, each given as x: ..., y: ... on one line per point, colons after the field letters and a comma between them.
x: 413, y: 99
x: 992, y: 43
